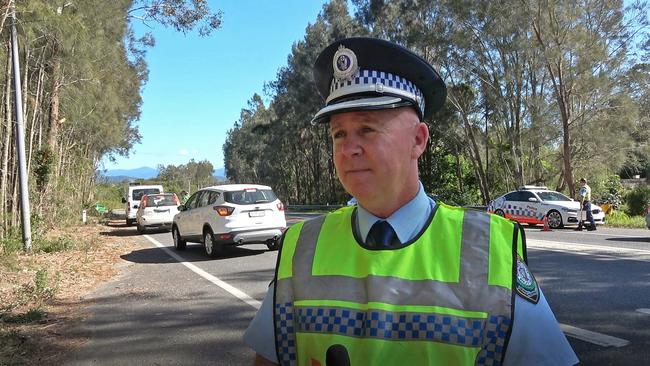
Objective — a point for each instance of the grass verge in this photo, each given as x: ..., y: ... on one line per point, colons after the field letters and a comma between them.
x: 42, y: 291
x: 621, y: 219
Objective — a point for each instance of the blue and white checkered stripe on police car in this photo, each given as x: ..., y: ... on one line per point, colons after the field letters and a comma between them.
x: 518, y: 211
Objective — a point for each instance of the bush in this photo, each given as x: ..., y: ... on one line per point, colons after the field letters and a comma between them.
x: 32, y: 315
x: 636, y: 200
x: 611, y: 193
x: 10, y: 245
x: 53, y: 245
x: 621, y: 219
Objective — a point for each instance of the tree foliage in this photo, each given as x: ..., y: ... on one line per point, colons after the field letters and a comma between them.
x: 82, y: 72
x: 539, y: 92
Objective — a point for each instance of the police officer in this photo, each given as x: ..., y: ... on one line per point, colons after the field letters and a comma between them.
x: 184, y: 196
x: 398, y: 278
x: 584, y: 197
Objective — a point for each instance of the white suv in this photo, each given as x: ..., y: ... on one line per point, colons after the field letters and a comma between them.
x: 529, y: 204
x: 231, y: 214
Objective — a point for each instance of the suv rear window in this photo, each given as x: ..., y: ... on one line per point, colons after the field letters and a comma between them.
x: 249, y: 196
x: 157, y: 200
x: 138, y: 193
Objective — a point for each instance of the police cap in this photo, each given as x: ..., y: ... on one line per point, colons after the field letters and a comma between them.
x: 368, y: 74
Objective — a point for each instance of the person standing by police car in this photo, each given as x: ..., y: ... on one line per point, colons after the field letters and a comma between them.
x: 584, y: 197
x: 398, y: 278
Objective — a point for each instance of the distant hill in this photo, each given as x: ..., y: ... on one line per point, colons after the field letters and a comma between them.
x: 219, y: 173
x: 144, y: 172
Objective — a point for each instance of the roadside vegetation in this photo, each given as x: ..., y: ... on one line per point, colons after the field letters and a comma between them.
x: 542, y: 93
x: 82, y: 69
x: 39, y: 289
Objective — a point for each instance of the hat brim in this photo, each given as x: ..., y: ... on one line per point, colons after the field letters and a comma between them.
x: 362, y: 104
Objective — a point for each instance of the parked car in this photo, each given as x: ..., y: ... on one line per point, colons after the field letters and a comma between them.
x: 231, y: 214
x: 157, y: 210
x: 529, y: 204
x: 647, y: 216
x: 133, y: 196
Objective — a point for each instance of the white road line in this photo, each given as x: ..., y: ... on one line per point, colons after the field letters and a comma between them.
x: 241, y: 295
x: 593, y: 337
x: 611, y: 235
x: 644, y: 311
x: 640, y: 255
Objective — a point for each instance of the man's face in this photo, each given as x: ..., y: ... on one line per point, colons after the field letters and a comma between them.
x: 376, y: 152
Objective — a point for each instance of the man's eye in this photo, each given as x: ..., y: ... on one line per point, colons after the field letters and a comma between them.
x: 367, y: 129
x: 337, y: 134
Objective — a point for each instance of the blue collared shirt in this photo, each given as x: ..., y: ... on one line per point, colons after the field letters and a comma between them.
x: 536, y: 338
x: 401, y: 220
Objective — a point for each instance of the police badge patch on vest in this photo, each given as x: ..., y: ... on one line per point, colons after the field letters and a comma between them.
x: 526, y: 283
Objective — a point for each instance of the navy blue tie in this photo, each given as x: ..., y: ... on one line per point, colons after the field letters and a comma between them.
x: 382, y: 235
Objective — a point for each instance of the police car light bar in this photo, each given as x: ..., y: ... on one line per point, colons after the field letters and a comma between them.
x: 523, y: 188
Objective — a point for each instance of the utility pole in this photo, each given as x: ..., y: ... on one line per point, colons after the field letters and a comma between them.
x: 20, y: 138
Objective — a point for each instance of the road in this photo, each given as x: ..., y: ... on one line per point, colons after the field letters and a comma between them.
x: 182, y: 308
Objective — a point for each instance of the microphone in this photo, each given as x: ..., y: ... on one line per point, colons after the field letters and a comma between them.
x: 337, y: 355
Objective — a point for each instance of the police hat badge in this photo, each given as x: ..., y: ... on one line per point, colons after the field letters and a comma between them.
x: 345, y: 64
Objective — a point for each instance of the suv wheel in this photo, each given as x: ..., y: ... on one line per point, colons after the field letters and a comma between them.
x: 554, y: 219
x: 179, y: 243
x: 500, y: 213
x: 212, y: 247
x: 129, y: 222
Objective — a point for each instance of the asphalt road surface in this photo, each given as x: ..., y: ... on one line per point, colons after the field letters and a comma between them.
x: 182, y: 308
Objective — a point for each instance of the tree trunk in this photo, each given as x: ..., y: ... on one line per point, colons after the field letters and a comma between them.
x: 36, y: 114
x: 7, y: 143
x: 53, y: 132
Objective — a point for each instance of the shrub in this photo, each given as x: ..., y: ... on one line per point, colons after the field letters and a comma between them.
x: 636, y: 200
x: 32, y: 315
x: 611, y: 192
x: 53, y: 245
x: 621, y: 219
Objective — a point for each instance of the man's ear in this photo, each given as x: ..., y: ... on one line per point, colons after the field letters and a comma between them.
x: 421, y: 139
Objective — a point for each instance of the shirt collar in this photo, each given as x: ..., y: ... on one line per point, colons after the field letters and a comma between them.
x: 401, y: 220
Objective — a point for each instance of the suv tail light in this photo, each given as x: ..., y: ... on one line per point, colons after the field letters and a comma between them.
x: 280, y: 206
x: 223, y: 210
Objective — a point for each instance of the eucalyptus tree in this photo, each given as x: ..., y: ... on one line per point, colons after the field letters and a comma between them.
x: 584, y: 47
x: 82, y: 69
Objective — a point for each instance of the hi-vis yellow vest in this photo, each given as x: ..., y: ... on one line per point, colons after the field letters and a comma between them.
x: 445, y: 298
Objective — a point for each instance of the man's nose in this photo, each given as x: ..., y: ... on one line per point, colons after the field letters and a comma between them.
x: 351, y: 146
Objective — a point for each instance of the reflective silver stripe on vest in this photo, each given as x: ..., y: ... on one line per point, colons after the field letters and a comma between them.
x: 472, y: 289
x: 471, y: 293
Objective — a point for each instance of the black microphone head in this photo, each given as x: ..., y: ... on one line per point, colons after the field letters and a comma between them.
x: 337, y: 355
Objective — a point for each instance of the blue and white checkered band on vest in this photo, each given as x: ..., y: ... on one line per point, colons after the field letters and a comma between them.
x: 371, y: 81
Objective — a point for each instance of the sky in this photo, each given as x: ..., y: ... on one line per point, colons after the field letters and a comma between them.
x: 198, y: 85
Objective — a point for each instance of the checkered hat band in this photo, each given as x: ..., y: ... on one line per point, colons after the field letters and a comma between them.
x: 488, y: 334
x: 372, y: 77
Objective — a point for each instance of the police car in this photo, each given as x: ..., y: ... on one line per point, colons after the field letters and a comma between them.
x: 529, y: 204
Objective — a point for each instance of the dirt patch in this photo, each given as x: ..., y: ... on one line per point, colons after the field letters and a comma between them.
x: 42, y: 293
